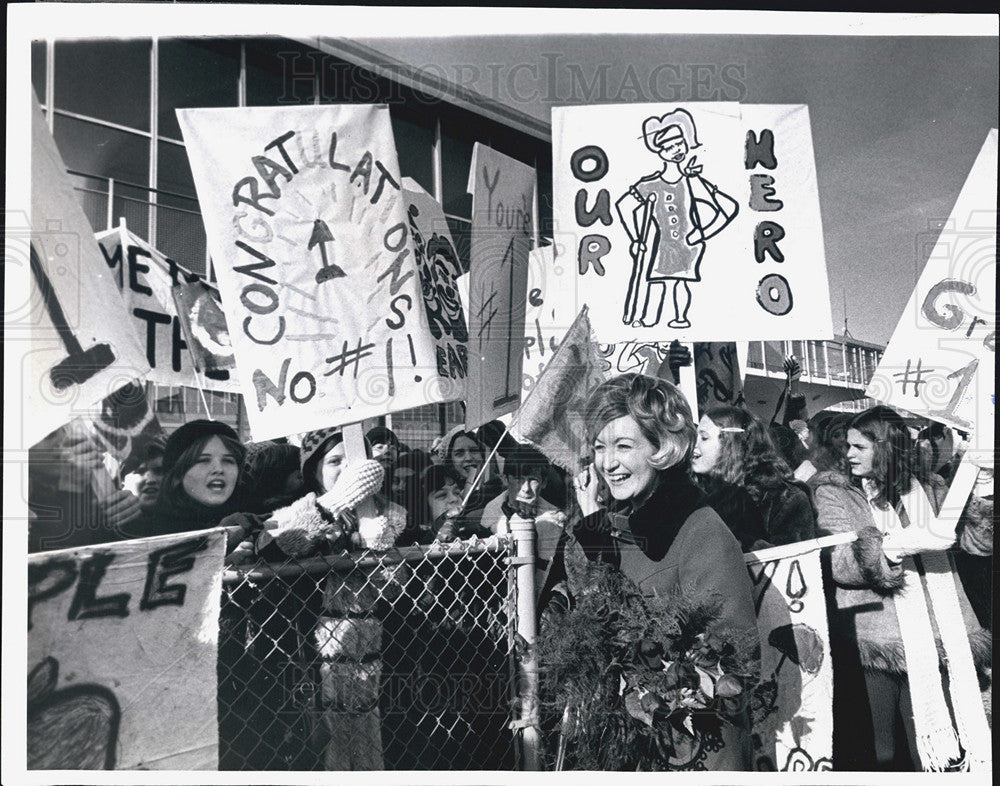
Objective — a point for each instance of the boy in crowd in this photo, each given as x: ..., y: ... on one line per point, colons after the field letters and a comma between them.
x: 525, y: 472
x: 385, y: 450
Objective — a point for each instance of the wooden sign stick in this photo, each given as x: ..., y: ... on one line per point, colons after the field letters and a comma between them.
x: 355, y: 452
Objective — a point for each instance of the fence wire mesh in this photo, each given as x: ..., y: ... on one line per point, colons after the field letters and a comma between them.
x: 399, y: 661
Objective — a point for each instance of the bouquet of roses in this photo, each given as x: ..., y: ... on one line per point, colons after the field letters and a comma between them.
x: 643, y: 682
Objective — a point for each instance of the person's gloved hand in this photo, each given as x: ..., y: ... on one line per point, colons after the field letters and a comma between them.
x: 912, y: 540
x: 793, y: 371
x: 356, y: 483
x: 454, y: 526
x: 80, y: 451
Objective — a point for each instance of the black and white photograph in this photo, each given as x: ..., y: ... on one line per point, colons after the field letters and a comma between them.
x: 475, y: 395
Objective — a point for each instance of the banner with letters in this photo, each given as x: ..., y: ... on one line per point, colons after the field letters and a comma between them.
x: 83, y: 346
x: 683, y: 221
x: 550, y: 309
x: 146, y: 277
x: 122, y: 649
x: 503, y: 192
x: 793, y: 704
x: 307, y: 227
x: 940, y: 361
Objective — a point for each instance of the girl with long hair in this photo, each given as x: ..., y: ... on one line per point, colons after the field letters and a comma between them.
x: 897, y: 599
x: 733, y: 447
x: 202, y: 480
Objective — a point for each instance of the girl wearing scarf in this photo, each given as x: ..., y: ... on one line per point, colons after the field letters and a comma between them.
x: 895, y: 593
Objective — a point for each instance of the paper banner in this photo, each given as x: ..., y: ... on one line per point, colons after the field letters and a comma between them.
x: 203, y: 322
x: 683, y: 221
x: 83, y: 346
x: 122, y: 643
x: 126, y: 426
x: 940, y: 361
x: 307, y: 228
x: 502, y: 196
x: 145, y: 277
x: 551, y: 308
x: 793, y: 705
x: 718, y: 374
x: 439, y: 268
x: 551, y: 417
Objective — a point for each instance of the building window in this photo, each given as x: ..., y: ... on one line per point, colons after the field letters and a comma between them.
x: 279, y: 72
x: 109, y: 80
x: 184, y: 62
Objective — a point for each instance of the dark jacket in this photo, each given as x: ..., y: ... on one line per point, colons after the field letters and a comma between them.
x: 675, y: 541
x: 788, y: 512
x: 738, y: 510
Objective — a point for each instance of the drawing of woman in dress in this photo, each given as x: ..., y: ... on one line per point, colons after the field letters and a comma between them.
x: 668, y: 216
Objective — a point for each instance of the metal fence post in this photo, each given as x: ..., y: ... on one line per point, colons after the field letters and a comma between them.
x: 524, y: 536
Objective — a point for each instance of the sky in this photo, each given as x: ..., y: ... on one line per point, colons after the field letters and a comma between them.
x: 896, y: 122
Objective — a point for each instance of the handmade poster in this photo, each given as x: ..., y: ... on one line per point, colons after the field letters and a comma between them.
x: 551, y: 307
x: 439, y: 267
x: 125, y: 426
x: 939, y: 363
x: 146, y: 277
x: 551, y: 417
x: 503, y: 191
x: 676, y: 218
x: 122, y: 643
x: 82, y: 342
x: 307, y: 227
x: 793, y: 704
x: 203, y: 322
x: 718, y: 373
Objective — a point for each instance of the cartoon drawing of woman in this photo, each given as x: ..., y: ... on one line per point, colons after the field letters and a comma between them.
x: 668, y: 216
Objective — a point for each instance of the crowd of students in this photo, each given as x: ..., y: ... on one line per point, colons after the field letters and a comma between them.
x: 669, y: 501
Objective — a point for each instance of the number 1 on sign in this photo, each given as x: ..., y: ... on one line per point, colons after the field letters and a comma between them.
x: 508, y: 259
x: 967, y: 374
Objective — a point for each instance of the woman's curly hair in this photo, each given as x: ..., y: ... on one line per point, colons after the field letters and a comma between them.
x: 659, y: 408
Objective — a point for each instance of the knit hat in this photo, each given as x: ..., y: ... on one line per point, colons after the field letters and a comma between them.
x: 380, y: 435
x: 313, y: 448
x: 189, y: 433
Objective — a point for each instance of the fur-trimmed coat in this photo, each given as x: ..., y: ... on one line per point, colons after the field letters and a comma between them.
x: 865, y: 582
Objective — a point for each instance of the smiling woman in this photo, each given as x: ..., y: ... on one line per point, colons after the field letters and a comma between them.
x: 643, y: 514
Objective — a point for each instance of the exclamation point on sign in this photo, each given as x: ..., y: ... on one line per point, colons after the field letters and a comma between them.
x: 413, y: 357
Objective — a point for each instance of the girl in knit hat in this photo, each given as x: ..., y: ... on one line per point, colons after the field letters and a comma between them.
x: 325, y: 519
x: 202, y: 480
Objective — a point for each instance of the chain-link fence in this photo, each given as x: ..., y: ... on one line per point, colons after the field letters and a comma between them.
x: 398, y: 661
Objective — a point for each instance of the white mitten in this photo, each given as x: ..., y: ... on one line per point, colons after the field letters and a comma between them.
x: 356, y: 483
x: 912, y: 540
